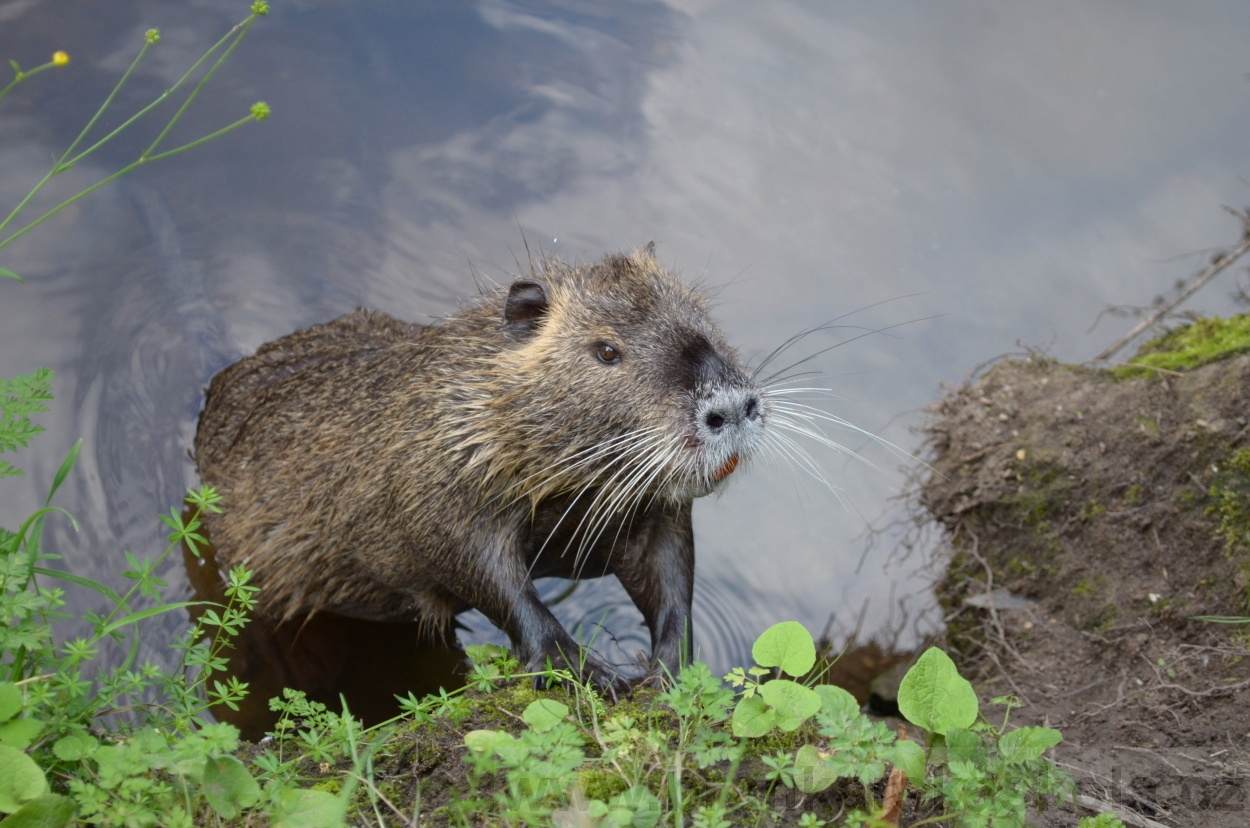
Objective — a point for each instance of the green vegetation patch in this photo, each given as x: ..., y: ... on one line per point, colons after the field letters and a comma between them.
x: 1229, y: 495
x: 1190, y: 346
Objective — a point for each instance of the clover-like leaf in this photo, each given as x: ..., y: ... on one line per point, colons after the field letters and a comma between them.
x: 753, y: 717
x: 307, y: 808
x: 19, y: 733
x: 10, y: 700
x: 834, y: 700
x: 21, y: 780
x: 544, y: 714
x: 641, y: 806
x: 228, y: 786
x: 1025, y: 743
x: 811, y: 774
x: 787, y: 645
x: 793, y: 703
x: 74, y: 746
x: 934, y: 696
x: 47, y: 811
x: 909, y: 758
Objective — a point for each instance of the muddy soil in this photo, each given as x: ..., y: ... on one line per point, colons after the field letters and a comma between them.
x: 1089, y: 520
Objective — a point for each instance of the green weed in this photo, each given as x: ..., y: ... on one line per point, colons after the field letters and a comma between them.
x: 692, y: 755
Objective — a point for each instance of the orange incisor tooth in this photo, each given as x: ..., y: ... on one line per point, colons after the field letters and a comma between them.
x: 727, y: 469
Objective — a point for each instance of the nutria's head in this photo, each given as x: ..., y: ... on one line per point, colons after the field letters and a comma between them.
x: 613, y: 376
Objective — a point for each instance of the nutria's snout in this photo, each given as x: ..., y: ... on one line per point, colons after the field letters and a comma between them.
x: 739, y: 407
x: 728, y: 429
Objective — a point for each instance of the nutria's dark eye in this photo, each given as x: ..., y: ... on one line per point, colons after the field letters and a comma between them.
x: 607, y: 353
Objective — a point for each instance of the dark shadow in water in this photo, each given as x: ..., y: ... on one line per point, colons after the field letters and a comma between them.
x: 368, y: 662
x: 870, y: 672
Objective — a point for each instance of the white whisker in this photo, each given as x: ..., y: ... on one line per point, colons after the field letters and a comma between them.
x: 647, y: 470
x: 800, y: 458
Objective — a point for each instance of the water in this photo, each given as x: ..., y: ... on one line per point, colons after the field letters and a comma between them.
x: 966, y: 180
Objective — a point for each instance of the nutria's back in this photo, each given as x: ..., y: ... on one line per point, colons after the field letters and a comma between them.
x: 561, y: 426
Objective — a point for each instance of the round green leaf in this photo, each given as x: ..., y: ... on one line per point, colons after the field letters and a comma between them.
x: 834, y: 700
x: 909, y: 758
x: 19, y: 733
x: 310, y: 809
x: 21, y: 780
x: 787, y: 645
x: 964, y: 745
x: 753, y: 718
x: 486, y: 741
x: 228, y: 786
x: 811, y: 774
x: 934, y: 696
x: 75, y: 746
x: 10, y: 700
x: 48, y: 811
x: 544, y: 714
x: 793, y: 703
x: 641, y: 804
x: 1025, y: 743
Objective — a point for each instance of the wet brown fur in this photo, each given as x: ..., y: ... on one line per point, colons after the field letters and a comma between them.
x: 386, y: 470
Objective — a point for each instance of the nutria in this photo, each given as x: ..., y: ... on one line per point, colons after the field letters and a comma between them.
x: 561, y: 426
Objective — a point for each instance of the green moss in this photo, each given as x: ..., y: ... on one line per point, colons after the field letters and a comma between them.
x: 328, y: 785
x: 1189, y: 346
x: 1103, y: 619
x: 1087, y: 588
x: 1231, y: 493
x: 1092, y: 510
x: 600, y: 784
x: 1147, y: 425
x: 1133, y: 494
x: 1019, y: 566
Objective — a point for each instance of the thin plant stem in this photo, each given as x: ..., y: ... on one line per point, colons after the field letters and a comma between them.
x: 160, y: 99
x: 238, y: 32
x: 195, y: 516
x: 65, y: 162
x: 123, y: 171
x: 60, y: 164
x: 21, y: 76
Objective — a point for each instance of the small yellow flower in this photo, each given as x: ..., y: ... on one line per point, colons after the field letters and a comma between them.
x: 152, y: 35
x: 260, y: 110
x: 60, y: 58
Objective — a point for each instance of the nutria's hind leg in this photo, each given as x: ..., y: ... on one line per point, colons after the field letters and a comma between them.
x: 507, y: 596
x: 659, y: 577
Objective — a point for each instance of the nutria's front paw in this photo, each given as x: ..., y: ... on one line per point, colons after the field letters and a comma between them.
x: 589, y: 670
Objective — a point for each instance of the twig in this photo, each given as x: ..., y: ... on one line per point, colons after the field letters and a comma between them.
x: 975, y: 551
x: 1220, y: 264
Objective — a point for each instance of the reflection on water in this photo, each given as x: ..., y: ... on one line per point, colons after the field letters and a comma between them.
x: 327, y: 655
x: 1011, y: 168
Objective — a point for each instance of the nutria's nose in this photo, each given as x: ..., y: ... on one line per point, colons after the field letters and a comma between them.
x: 749, y: 409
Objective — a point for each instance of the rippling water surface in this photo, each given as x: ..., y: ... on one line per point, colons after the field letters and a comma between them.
x: 954, y: 181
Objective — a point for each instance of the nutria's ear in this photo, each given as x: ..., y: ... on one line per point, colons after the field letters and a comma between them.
x: 525, y: 307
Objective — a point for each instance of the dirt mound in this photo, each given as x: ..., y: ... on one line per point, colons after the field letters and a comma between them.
x: 1090, y: 518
